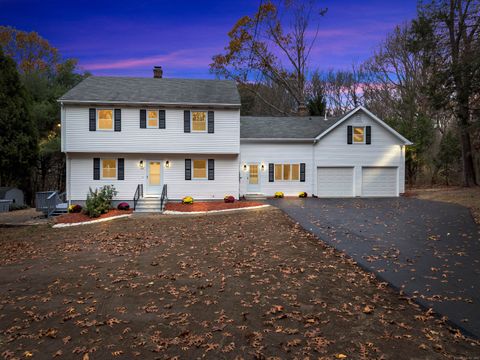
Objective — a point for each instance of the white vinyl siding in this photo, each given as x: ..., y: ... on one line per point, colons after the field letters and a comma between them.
x: 335, y: 182
x: 226, y: 176
x: 287, y: 153
x: 133, y: 139
x: 379, y: 181
x: 386, y: 150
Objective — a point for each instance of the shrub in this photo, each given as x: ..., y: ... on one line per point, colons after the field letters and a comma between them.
x: 99, y: 201
x: 229, y: 199
x: 187, y: 200
x: 123, y: 206
x: 303, y: 194
x: 279, y: 194
x: 74, y: 208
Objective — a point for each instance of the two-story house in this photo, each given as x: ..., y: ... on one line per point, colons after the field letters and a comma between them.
x: 188, y: 134
x: 152, y: 131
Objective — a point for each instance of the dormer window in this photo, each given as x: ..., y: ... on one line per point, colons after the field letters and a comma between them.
x: 199, y: 121
x: 358, y: 135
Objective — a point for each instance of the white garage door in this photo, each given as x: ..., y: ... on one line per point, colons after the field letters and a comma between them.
x: 379, y: 181
x: 334, y: 181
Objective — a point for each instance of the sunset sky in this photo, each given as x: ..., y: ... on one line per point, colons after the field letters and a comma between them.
x: 129, y: 37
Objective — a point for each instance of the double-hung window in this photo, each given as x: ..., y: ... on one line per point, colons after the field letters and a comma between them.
x: 358, y: 135
x: 152, y: 119
x: 199, y: 169
x: 105, y: 119
x: 199, y: 121
x: 109, y: 168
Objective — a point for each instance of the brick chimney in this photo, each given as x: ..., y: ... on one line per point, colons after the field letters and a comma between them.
x: 157, y: 72
x: 302, y: 110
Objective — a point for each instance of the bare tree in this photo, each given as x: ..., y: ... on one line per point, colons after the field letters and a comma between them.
x: 449, y: 32
x: 274, y: 47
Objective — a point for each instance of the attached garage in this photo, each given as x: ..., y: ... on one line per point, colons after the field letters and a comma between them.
x: 379, y: 181
x: 335, y: 182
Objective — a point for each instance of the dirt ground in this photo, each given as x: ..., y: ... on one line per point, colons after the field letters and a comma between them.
x: 244, y: 285
x: 25, y: 216
x: 469, y: 197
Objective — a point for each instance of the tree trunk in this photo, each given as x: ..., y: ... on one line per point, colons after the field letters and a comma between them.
x: 468, y: 169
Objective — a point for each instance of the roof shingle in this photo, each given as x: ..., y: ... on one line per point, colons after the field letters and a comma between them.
x: 288, y: 127
x: 98, y: 89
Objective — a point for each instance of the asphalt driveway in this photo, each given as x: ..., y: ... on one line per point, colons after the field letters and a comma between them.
x: 429, y: 250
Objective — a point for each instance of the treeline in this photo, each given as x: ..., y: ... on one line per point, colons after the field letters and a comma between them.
x: 33, y: 76
x: 423, y: 79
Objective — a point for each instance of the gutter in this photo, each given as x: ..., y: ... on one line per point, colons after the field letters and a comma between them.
x: 144, y: 103
x: 308, y: 140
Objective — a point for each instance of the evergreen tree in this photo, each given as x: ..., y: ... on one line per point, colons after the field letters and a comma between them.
x: 18, y: 134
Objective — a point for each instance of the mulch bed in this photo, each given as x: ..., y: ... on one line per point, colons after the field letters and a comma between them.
x: 211, y: 205
x: 80, y: 217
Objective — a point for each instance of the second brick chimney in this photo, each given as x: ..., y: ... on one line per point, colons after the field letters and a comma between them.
x: 157, y: 72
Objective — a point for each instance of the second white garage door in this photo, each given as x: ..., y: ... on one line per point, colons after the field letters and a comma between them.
x: 379, y: 181
x: 335, y: 182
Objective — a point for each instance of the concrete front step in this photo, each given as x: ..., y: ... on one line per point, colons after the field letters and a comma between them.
x: 152, y: 210
x: 148, y: 204
x: 255, y: 196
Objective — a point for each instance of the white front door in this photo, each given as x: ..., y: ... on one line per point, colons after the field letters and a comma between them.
x: 253, y: 178
x: 154, y: 178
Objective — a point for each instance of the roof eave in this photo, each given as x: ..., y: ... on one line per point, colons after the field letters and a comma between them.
x: 276, y: 139
x: 148, y: 103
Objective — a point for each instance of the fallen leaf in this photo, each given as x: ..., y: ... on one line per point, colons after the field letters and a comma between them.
x: 367, y: 310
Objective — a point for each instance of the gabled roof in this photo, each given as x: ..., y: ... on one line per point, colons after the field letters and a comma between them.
x: 375, y: 118
x: 284, y: 127
x: 135, y: 90
x: 292, y: 128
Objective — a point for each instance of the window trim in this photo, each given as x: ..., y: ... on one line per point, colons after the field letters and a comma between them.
x: 101, y: 169
x: 291, y: 171
x: 98, y: 119
x: 191, y: 121
x: 158, y: 119
x: 364, y: 135
x: 193, y: 169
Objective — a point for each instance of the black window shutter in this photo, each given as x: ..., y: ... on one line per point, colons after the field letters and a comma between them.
x: 302, y: 172
x: 118, y: 119
x: 161, y: 119
x: 186, y: 121
x: 368, y: 135
x: 96, y: 169
x: 211, y: 169
x: 92, y: 117
x: 349, y: 134
x: 143, y: 119
x: 121, y: 169
x: 271, y: 172
x: 211, y: 122
x: 188, y: 169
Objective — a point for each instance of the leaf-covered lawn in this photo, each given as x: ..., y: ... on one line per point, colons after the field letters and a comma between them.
x: 239, y: 285
x: 468, y: 197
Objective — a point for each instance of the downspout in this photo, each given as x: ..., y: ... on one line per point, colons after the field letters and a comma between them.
x: 314, y: 168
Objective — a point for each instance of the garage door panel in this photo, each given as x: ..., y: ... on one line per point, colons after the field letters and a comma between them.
x: 379, y: 181
x: 335, y: 182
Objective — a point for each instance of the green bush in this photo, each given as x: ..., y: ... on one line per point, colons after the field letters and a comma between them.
x: 99, y: 201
